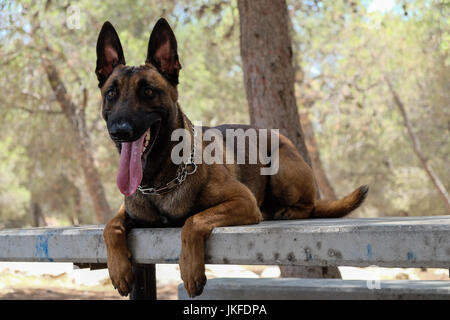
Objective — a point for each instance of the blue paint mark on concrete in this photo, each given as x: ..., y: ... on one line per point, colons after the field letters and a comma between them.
x: 411, y: 256
x: 308, y: 254
x: 42, y: 247
x: 369, y: 251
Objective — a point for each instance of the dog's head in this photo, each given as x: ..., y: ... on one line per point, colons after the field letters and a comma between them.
x: 139, y: 102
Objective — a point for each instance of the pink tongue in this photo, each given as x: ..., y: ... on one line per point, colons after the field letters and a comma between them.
x: 130, y: 166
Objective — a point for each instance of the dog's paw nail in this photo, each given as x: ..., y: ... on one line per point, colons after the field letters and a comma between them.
x: 199, y: 285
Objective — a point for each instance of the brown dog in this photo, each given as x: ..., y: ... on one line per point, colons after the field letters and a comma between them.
x: 141, y: 110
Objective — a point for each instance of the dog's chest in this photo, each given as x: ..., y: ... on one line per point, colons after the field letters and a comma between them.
x: 175, y: 205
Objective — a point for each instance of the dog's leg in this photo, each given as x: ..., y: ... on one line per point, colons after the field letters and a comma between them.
x: 119, y: 264
x: 293, y: 186
x: 235, y: 211
x: 293, y: 212
x: 294, y: 190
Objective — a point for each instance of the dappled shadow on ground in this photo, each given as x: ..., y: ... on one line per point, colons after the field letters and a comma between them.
x: 56, y: 294
x: 167, y: 293
x: 19, y: 285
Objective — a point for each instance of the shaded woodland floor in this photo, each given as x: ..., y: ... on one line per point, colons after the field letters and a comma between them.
x: 29, y: 283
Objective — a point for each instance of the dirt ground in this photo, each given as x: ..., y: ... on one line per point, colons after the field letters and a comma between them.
x: 38, y: 282
x: 24, y: 284
x: 167, y: 293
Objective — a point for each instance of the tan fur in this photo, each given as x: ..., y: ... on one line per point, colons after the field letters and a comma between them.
x: 226, y: 195
x: 119, y: 265
x: 216, y: 195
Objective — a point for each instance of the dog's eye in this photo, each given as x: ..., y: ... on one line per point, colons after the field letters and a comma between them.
x: 148, y: 92
x: 110, y: 94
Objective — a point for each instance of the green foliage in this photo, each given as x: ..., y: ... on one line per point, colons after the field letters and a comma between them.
x: 346, y: 56
x: 343, y: 52
x: 13, y: 196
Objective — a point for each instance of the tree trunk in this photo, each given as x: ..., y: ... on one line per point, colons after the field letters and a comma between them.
x: 442, y: 191
x: 36, y: 213
x: 325, y: 188
x: 75, y: 194
x: 77, y: 210
x: 83, y: 153
x: 269, y: 76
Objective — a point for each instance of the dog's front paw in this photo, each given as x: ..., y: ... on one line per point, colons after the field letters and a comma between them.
x: 194, y: 278
x: 194, y: 284
x: 121, y: 274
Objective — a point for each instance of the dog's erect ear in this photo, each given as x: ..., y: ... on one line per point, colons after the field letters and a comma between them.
x: 162, y: 51
x: 109, y: 53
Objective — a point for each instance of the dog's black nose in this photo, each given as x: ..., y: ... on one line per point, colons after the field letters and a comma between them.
x: 122, y: 131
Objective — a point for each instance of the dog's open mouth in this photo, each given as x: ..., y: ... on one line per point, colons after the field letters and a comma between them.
x: 133, y: 158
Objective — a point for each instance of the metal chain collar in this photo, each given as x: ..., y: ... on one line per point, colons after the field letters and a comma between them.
x: 182, y: 173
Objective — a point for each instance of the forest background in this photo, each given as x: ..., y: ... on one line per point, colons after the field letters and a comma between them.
x: 371, y: 84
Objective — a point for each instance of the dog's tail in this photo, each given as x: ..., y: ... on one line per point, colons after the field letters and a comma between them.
x: 341, y: 207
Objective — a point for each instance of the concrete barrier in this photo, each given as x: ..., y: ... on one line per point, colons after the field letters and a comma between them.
x: 319, y: 289
x: 385, y: 242
x: 389, y: 242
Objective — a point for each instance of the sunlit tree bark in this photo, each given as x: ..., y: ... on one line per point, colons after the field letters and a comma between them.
x: 269, y: 77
